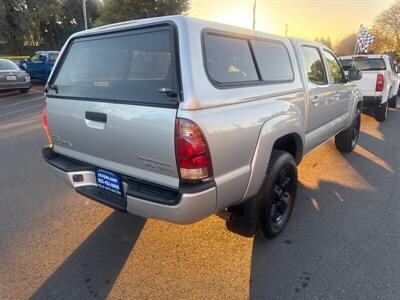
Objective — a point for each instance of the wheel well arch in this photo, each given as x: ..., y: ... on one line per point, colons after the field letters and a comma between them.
x: 291, y: 143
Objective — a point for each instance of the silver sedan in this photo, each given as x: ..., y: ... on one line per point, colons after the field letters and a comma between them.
x: 12, y: 77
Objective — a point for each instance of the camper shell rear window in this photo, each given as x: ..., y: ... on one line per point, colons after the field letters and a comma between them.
x: 364, y: 64
x: 138, y: 66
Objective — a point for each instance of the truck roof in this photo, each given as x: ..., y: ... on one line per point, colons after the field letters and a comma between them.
x: 179, y: 20
x: 186, y: 21
x: 45, y: 52
x: 364, y: 56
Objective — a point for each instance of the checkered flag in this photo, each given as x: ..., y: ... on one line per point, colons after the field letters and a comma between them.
x: 364, y: 39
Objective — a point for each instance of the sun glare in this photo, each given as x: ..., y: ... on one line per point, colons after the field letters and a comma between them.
x: 233, y: 16
x: 237, y: 13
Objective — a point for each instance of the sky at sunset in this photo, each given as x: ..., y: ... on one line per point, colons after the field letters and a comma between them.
x: 305, y: 18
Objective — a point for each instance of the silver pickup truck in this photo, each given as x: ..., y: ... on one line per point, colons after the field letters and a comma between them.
x: 178, y: 119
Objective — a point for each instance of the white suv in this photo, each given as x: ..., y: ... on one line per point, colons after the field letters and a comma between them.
x: 379, y: 84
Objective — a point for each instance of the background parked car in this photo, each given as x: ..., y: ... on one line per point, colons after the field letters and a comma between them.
x: 40, y: 64
x: 12, y: 77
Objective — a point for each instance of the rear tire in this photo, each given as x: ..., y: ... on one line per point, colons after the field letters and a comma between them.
x: 393, y: 102
x: 277, y: 195
x: 347, y: 139
x: 381, y: 112
x: 24, y: 91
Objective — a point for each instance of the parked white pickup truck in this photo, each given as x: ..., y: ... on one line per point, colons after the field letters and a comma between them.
x: 379, y: 84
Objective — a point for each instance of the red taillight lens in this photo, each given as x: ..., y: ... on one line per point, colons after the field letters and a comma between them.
x: 192, y: 152
x: 380, y: 82
x: 45, y: 126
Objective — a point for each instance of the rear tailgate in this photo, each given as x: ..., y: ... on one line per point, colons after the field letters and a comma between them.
x: 370, y: 67
x: 367, y: 83
x: 108, y: 105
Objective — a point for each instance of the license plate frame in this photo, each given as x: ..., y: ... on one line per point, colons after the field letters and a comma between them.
x: 11, y: 77
x: 109, y: 181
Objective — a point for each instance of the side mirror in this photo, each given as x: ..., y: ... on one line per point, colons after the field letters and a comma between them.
x: 354, y: 74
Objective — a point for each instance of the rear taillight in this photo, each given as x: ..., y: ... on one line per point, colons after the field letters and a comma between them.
x: 192, y: 153
x: 380, y: 82
x: 45, y: 126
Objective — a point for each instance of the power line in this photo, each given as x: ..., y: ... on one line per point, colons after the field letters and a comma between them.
x: 254, y: 14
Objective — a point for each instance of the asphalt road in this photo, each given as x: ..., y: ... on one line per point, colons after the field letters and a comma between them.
x: 343, y: 241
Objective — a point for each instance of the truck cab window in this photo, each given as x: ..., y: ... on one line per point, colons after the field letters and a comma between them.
x: 334, y: 68
x: 314, y: 65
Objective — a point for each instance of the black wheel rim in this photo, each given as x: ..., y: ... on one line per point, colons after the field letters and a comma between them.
x: 356, y: 130
x: 282, y: 198
x: 386, y: 109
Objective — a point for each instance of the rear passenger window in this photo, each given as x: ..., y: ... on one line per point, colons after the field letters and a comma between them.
x: 314, y: 65
x: 273, y: 61
x: 228, y: 59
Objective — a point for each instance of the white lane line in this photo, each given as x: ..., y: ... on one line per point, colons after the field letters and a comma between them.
x: 21, y: 110
x: 22, y: 102
x: 19, y: 95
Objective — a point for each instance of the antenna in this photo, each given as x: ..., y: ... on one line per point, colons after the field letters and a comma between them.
x: 254, y: 14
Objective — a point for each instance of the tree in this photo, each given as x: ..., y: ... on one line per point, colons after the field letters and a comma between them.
x: 325, y: 41
x: 19, y: 22
x: 47, y: 24
x: 123, y: 10
x: 15, y: 23
x: 65, y: 20
x: 386, y: 30
x: 2, y: 23
x: 347, y: 45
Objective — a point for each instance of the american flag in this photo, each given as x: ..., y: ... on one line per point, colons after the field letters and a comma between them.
x: 364, y: 39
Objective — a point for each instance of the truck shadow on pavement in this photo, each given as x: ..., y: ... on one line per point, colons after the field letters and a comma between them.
x: 342, y: 240
x: 91, y: 270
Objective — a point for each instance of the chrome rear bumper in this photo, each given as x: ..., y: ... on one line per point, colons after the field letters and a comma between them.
x: 190, y: 207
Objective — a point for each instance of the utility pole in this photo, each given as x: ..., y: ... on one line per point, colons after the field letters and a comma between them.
x: 254, y: 14
x: 286, y: 29
x: 84, y: 13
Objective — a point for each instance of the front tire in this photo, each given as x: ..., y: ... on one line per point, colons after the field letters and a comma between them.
x: 381, y: 112
x: 347, y: 139
x: 277, y: 194
x: 24, y: 91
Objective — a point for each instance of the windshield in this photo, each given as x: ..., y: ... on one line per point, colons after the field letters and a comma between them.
x: 53, y: 57
x: 365, y: 64
x: 136, y: 66
x: 8, y: 65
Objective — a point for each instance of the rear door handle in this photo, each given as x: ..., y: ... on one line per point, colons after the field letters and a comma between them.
x: 96, y: 117
x: 315, y: 100
x: 95, y: 120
